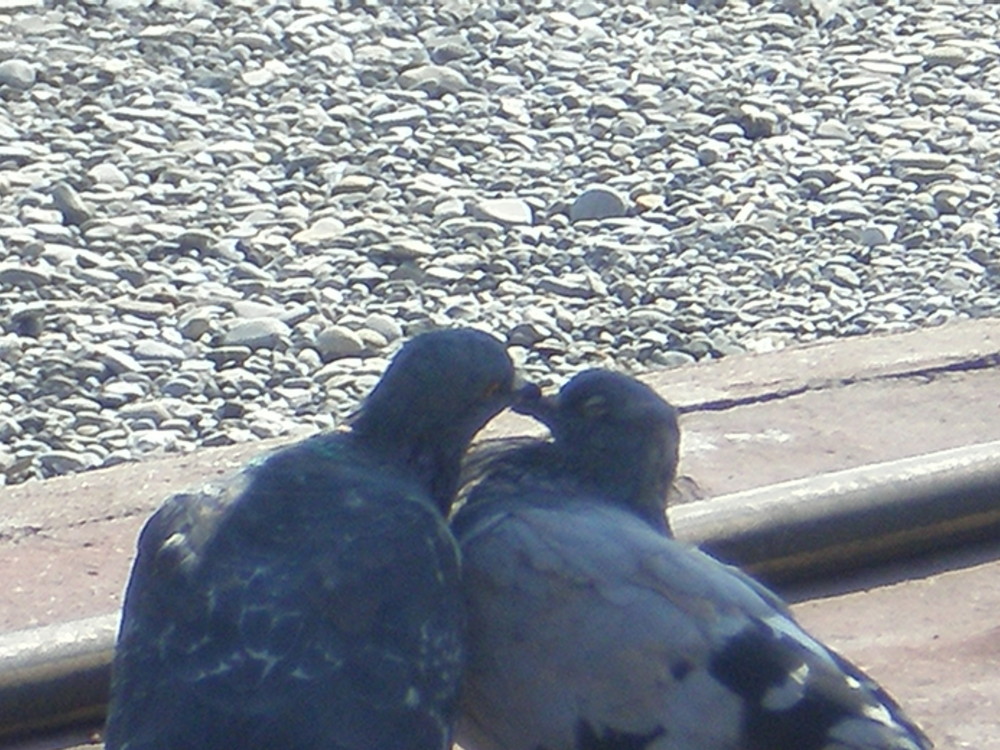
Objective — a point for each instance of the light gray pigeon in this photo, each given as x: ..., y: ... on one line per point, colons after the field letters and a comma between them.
x: 312, y: 600
x: 591, y: 629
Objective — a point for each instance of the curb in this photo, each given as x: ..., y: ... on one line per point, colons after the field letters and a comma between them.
x: 55, y: 675
x: 823, y: 525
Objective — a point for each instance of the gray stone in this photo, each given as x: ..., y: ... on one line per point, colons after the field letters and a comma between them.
x: 18, y: 74
x: 244, y: 308
x: 946, y: 54
x: 385, y: 325
x: 108, y: 174
x: 116, y: 393
x: 568, y: 285
x: 337, y: 342
x: 877, y: 234
x: 843, y: 275
x: 667, y: 358
x: 147, y: 349
x: 117, y: 361
x: 180, y: 387
x: 196, y: 323
x: 847, y: 209
x: 434, y: 80
x: 57, y: 462
x: 154, y: 441
x: 257, y: 333
x: 144, y: 309
x: 18, y: 274
x: 68, y: 202
x: 599, y: 202
x: 921, y: 160
x: 322, y: 230
x: 227, y: 355
x: 155, y: 411
x: 238, y: 381
x: 506, y: 211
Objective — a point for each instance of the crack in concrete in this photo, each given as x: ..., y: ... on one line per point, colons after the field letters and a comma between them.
x: 971, y: 364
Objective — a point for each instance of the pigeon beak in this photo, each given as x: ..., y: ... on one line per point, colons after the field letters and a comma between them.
x: 523, y: 391
x: 528, y: 400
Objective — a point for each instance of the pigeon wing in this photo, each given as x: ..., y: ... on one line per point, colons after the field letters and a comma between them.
x: 590, y: 630
x: 344, y: 614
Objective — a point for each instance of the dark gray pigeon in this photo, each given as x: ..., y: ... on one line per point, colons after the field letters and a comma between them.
x: 312, y: 600
x: 591, y: 629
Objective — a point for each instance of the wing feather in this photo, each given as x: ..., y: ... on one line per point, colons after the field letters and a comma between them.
x: 583, y: 616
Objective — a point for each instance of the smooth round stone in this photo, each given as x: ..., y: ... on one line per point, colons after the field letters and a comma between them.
x: 948, y: 55
x: 108, y: 174
x: 434, y: 80
x: 337, y: 342
x: 257, y: 333
x: 877, y: 235
x: 599, y: 202
x: 506, y: 211
x: 921, y: 160
x: 181, y: 387
x: 568, y: 285
x: 18, y: 74
x: 154, y: 441
x: 385, y: 325
x: 727, y: 132
x: 322, y: 230
x: 843, y: 275
x: 240, y: 380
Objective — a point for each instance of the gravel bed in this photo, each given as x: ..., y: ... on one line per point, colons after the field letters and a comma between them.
x: 217, y: 220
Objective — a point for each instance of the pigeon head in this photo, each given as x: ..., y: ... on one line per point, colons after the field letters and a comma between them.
x: 437, y: 392
x: 615, y: 436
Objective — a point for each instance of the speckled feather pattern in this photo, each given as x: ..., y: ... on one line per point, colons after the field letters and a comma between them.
x: 245, y: 660
x: 312, y: 600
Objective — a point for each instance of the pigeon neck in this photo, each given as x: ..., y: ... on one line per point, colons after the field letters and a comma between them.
x: 639, y: 493
x: 635, y: 476
x: 426, y: 456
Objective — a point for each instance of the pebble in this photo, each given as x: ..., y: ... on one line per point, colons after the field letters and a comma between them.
x: 58, y: 462
x: 18, y: 74
x: 257, y: 333
x: 337, y: 342
x: 600, y: 202
x: 434, y: 80
x: 217, y: 228
x: 146, y: 349
x: 507, y: 211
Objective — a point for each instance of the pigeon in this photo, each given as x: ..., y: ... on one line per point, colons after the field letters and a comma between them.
x: 591, y: 628
x: 313, y: 599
